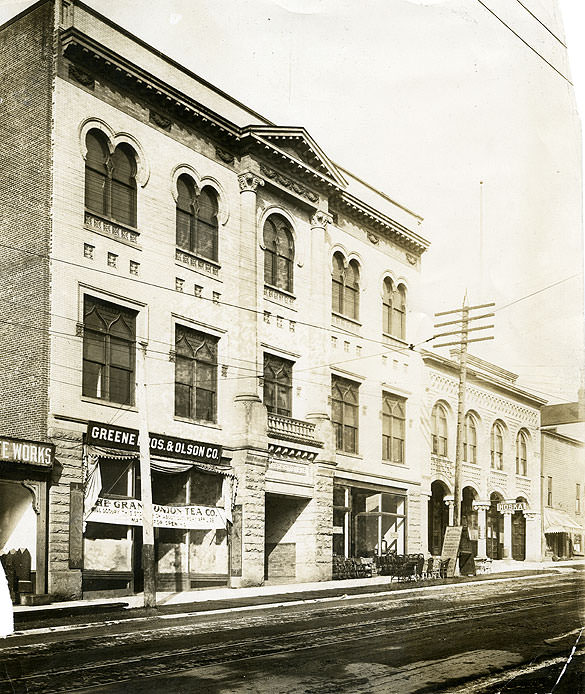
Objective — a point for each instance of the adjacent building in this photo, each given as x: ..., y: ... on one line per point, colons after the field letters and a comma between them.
x: 174, y: 262
x: 500, y: 486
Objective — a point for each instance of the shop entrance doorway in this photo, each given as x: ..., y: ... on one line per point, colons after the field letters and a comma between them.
x: 495, y: 529
x: 519, y: 533
x: 438, y: 517
x: 283, y: 537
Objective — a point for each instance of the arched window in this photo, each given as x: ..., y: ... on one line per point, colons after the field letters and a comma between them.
x: 278, y: 385
x: 439, y: 430
x: 110, y: 180
x: 469, y: 440
x: 345, y: 287
x: 197, y: 227
x: 279, y: 253
x: 497, y: 446
x: 394, y: 309
x: 521, y: 453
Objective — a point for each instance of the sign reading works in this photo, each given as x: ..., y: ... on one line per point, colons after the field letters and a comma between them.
x: 164, y: 446
x: 29, y: 452
x: 129, y: 512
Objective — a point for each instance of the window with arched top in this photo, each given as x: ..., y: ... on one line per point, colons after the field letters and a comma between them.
x: 345, y: 413
x: 521, y: 453
x: 439, y: 430
x: 110, y: 179
x: 197, y: 226
x: 497, y: 446
x: 109, y: 335
x: 279, y: 253
x: 195, y: 374
x: 345, y: 287
x: 470, y: 439
x: 394, y: 309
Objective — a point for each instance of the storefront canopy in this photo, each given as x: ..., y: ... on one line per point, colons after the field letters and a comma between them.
x: 556, y: 521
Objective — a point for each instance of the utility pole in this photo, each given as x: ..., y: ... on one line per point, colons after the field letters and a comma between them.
x: 145, y: 481
x: 463, y: 334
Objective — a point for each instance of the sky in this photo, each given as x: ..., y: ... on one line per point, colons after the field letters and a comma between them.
x: 461, y: 110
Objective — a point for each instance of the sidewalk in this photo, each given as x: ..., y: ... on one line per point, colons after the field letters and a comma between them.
x: 213, y: 599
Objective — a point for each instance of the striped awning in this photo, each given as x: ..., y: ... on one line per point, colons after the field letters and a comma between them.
x: 556, y: 521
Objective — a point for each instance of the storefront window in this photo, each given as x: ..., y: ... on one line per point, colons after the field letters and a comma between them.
x: 379, y: 522
x: 341, y: 511
x: 107, y: 547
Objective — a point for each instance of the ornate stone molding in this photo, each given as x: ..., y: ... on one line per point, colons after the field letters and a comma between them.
x: 158, y: 119
x: 411, y: 259
x: 320, y: 220
x: 111, y: 229
x: 194, y: 261
x: 81, y: 76
x: 33, y: 487
x: 249, y: 182
x: 224, y: 155
x: 372, y: 238
x: 281, y: 452
x: 288, y: 183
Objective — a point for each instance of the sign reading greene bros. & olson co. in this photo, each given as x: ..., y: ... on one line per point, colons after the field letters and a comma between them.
x: 29, y: 452
x: 113, y: 436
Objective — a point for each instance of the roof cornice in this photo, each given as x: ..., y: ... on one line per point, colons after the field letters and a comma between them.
x: 482, y: 378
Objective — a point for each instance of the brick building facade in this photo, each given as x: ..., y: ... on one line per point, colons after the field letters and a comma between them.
x: 165, y: 242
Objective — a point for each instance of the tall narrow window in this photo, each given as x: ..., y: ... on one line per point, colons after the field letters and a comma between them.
x: 279, y: 252
x: 439, y: 430
x: 469, y: 440
x: 549, y: 491
x: 278, y: 385
x: 345, y: 413
x: 393, y: 417
x: 521, y: 453
x: 195, y: 375
x: 197, y: 226
x: 394, y: 309
x: 345, y: 287
x: 110, y: 180
x: 578, y: 498
x: 109, y: 334
x: 497, y: 446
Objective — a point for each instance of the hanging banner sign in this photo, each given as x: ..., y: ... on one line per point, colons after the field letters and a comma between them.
x: 129, y: 512
x: 113, y: 436
x: 17, y: 451
x: 514, y: 506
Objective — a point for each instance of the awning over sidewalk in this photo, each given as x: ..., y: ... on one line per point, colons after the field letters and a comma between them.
x: 556, y: 521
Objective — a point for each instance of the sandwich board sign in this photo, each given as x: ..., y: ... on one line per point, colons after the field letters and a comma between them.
x: 456, y: 543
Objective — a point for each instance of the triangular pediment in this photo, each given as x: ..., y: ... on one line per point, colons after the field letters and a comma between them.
x: 298, y: 144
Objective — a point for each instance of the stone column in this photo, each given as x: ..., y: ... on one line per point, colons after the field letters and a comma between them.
x: 450, y: 501
x: 482, y: 508
x: 507, y: 534
x: 319, y: 346
x: 250, y: 287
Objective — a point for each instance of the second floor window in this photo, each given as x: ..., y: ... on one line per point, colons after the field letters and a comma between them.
x: 195, y: 375
x: 578, y: 498
x: 549, y: 485
x: 197, y: 227
x: 469, y: 440
x: 345, y: 287
x: 110, y: 185
x: 393, y: 309
x: 109, y: 334
x: 521, y: 453
x: 279, y: 253
x: 497, y: 446
x: 278, y: 385
x: 393, y: 418
x: 345, y: 414
x: 439, y: 430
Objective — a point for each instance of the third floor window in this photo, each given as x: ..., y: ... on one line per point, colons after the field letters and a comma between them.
x: 197, y: 227
x: 394, y: 309
x: 345, y: 287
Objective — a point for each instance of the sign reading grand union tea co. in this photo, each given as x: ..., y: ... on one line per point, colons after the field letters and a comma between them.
x: 17, y: 451
x: 113, y: 436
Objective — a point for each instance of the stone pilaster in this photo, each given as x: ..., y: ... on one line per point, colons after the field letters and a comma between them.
x: 482, y: 507
x: 63, y: 581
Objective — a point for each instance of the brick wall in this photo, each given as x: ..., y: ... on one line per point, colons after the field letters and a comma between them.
x: 26, y: 55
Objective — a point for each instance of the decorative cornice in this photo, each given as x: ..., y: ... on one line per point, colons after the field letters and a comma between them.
x: 160, y: 120
x: 249, y: 182
x: 224, y: 155
x: 288, y: 183
x: 81, y: 76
